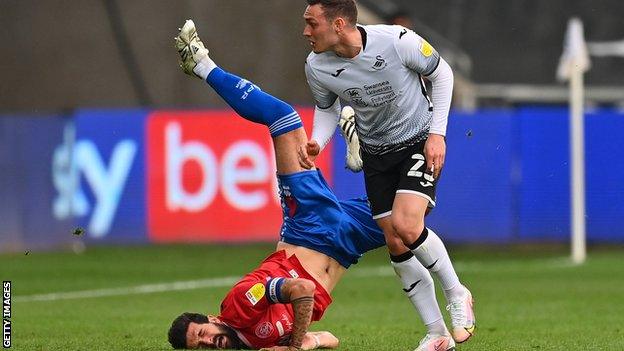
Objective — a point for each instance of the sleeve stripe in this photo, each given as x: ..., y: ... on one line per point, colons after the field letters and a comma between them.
x: 434, y: 68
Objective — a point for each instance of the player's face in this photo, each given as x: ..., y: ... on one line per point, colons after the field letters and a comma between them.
x: 320, y: 33
x: 208, y: 336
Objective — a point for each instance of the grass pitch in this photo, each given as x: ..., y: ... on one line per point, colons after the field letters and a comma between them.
x: 526, y: 299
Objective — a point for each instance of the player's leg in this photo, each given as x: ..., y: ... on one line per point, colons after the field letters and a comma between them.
x: 433, y: 255
x: 247, y: 99
x: 381, y: 183
x: 243, y: 96
x: 363, y: 234
x: 416, y: 280
x: 416, y: 192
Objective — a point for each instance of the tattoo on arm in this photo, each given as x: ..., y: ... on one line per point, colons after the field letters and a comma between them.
x: 302, y: 308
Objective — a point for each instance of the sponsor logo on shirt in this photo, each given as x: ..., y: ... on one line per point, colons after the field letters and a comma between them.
x: 378, y: 88
x: 293, y: 273
x: 287, y: 322
x: 264, y: 330
x: 355, y: 95
x: 380, y: 94
x: 280, y: 328
x: 426, y: 49
x: 255, y: 293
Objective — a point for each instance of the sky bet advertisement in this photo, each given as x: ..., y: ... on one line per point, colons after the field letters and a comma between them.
x: 211, y: 177
x: 137, y: 176
x: 131, y: 176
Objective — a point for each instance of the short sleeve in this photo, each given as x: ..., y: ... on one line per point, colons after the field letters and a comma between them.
x: 245, y: 304
x: 415, y: 52
x: 323, y: 98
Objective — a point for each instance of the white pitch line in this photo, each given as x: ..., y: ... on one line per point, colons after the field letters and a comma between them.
x: 134, y: 290
x: 224, y: 282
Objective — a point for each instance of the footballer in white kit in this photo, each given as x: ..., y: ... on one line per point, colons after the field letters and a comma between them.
x: 384, y: 85
x: 378, y: 70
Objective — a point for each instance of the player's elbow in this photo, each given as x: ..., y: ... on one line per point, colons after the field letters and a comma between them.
x: 302, y: 288
x: 442, y: 73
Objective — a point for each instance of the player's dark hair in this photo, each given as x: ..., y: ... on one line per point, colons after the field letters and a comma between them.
x: 338, y: 8
x: 177, y: 332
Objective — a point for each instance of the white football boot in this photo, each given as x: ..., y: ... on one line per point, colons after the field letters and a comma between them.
x: 462, y: 316
x: 190, y: 48
x: 433, y: 342
x: 347, y: 129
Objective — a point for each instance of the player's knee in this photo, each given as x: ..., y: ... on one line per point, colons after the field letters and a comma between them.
x: 281, y: 108
x: 395, y: 245
x: 282, y: 118
x: 408, y: 229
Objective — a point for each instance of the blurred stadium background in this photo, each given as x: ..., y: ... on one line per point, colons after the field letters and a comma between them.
x: 98, y: 126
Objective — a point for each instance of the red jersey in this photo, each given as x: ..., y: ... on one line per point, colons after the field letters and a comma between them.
x: 251, y: 308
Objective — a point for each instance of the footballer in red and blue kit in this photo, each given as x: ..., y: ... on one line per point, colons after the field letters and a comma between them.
x: 253, y: 307
x: 314, y: 218
x: 273, y: 305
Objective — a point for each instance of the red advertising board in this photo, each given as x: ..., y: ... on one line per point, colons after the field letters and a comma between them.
x: 211, y: 177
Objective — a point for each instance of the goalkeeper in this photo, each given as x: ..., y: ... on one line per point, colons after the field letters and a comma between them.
x: 273, y: 306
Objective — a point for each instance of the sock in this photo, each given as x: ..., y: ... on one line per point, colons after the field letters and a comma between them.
x: 432, y: 254
x: 418, y: 285
x: 204, y: 67
x: 249, y: 101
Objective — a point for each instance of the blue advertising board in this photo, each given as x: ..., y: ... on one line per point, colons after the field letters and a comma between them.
x: 110, y: 165
x: 545, y: 190
x: 27, y: 144
x: 474, y: 197
x: 506, y: 177
x: 544, y: 200
x: 605, y: 175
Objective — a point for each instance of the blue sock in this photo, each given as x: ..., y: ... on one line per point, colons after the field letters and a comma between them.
x: 253, y: 104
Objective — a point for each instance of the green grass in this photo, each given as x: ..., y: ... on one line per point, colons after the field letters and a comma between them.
x: 526, y: 298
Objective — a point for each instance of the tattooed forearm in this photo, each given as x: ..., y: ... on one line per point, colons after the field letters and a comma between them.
x: 302, y: 307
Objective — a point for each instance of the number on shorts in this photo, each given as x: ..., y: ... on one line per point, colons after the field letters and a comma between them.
x: 414, y: 171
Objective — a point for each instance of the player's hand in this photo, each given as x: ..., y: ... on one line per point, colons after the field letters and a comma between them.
x: 435, y: 152
x: 307, y: 154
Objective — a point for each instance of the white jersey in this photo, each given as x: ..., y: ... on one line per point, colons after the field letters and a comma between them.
x: 383, y: 84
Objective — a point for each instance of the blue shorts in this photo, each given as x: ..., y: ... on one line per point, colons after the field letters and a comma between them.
x: 315, y: 219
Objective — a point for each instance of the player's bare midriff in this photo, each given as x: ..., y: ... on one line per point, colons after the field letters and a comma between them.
x: 326, y: 270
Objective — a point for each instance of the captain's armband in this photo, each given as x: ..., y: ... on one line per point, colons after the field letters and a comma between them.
x: 274, y: 287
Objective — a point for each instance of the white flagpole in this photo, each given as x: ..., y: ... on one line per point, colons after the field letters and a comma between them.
x: 573, y: 64
x: 577, y: 169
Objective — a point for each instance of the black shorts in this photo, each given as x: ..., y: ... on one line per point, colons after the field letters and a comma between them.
x: 403, y: 171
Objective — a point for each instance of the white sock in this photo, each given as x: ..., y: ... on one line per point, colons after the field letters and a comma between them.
x: 204, y: 67
x: 433, y: 255
x: 418, y: 285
